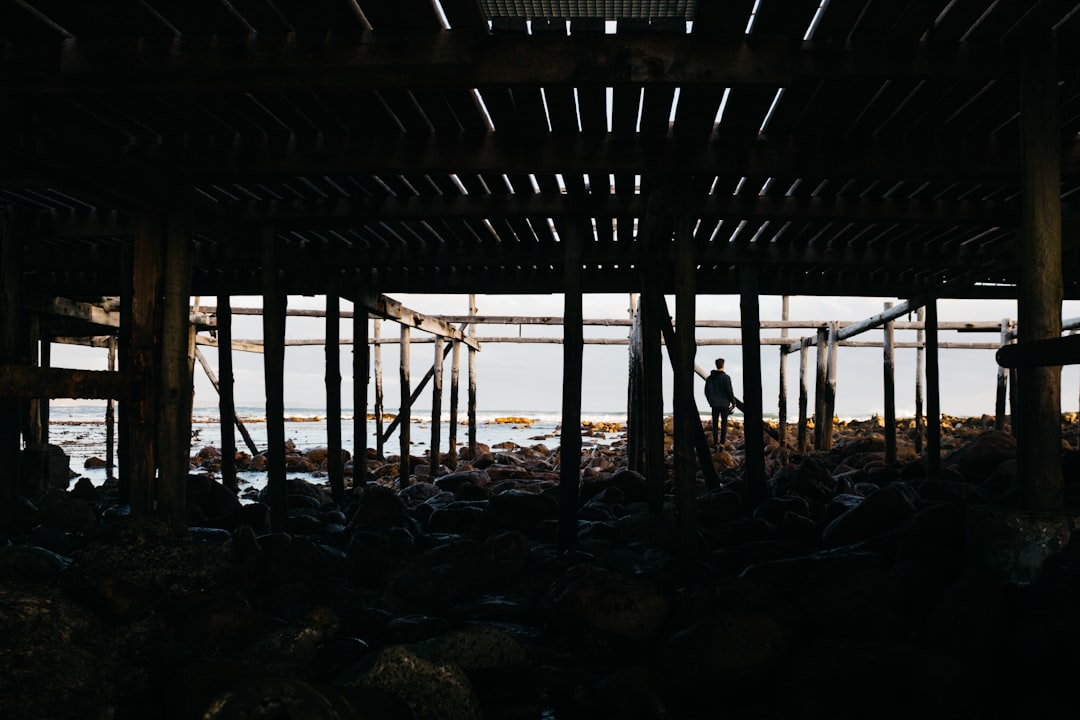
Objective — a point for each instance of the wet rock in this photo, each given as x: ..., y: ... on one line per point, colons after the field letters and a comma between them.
x: 63, y: 510
x: 882, y: 510
x: 521, y: 510
x: 212, y: 497
x: 588, y: 597
x: 44, y: 467
x: 980, y: 457
x: 380, y: 507
x: 729, y: 650
x: 31, y: 563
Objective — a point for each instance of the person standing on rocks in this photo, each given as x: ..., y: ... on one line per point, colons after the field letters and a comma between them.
x: 721, y: 396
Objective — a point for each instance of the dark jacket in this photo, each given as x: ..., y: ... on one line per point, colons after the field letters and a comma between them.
x: 718, y: 390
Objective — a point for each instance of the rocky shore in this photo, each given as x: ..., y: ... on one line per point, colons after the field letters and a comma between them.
x: 849, y: 593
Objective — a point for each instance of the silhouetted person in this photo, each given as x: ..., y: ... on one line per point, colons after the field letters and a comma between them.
x: 721, y: 397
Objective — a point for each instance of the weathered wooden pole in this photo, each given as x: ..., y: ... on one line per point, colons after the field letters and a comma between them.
x: 125, y: 408
x: 377, y: 350
x: 33, y: 432
x: 830, y: 384
x: 933, y: 393
x: 177, y: 364
x: 45, y: 360
x: 635, y: 402
x: 225, y: 389
x: 652, y: 320
x: 436, y: 406
x: 110, y: 417
x: 1039, y: 473
x: 238, y: 423
x: 455, y: 382
x: 804, y: 391
x: 472, y: 387
x: 335, y: 465
x: 142, y: 361
x: 573, y: 348
x: 10, y: 314
x: 275, y: 304
x: 753, y: 399
x: 889, y: 384
x: 781, y: 412
x: 682, y: 360
x: 920, y: 374
x: 820, y: 400
x: 361, y: 371
x: 404, y: 415
x: 1002, y: 382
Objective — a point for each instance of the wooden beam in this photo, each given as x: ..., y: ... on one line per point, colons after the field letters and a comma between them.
x: 30, y: 381
x: 391, y: 309
x: 781, y: 410
x: 933, y: 394
x: 65, y: 307
x: 441, y: 349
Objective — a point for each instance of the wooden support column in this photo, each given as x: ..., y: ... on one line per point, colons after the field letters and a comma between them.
x: 652, y: 370
x: 920, y: 375
x: 33, y: 432
x: 804, y: 391
x: 110, y: 418
x: 753, y: 400
x: 781, y: 411
x: 335, y: 466
x: 45, y: 360
x: 1002, y: 382
x: 226, y: 394
x: 404, y: 416
x: 472, y: 386
x: 573, y: 349
x: 1038, y: 460
x: 377, y: 351
x: 361, y: 372
x: 830, y: 385
x: 683, y: 391
x: 436, y: 406
x: 889, y: 384
x: 275, y: 305
x: 820, y: 399
x: 455, y: 382
x: 10, y: 314
x: 177, y: 364
x: 142, y: 361
x: 635, y: 401
x: 933, y: 393
x: 125, y: 409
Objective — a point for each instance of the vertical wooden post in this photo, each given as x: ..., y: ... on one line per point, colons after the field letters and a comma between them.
x: 781, y: 417
x: 335, y: 465
x: 1002, y: 382
x: 635, y: 402
x: 177, y: 364
x: 125, y: 408
x: 436, y: 406
x: 933, y: 393
x: 145, y: 333
x: 361, y: 371
x: 653, y: 363
x: 226, y: 391
x: 110, y: 418
x: 10, y: 309
x: 405, y: 408
x: 753, y: 400
x: 682, y: 357
x: 377, y: 350
x: 820, y: 400
x: 472, y: 386
x: 455, y: 378
x: 275, y: 306
x: 573, y: 349
x: 1039, y: 478
x: 830, y: 385
x: 920, y: 374
x: 889, y: 369
x: 804, y: 391
x: 33, y: 432
x: 43, y: 405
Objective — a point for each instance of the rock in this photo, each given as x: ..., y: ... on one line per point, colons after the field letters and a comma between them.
x: 31, y: 563
x: 44, y: 467
x: 212, y: 497
x: 63, y: 510
x: 296, y: 698
x: 94, y: 463
x: 520, y: 510
x: 731, y: 650
x: 980, y: 457
x: 380, y: 507
x: 591, y: 598
x: 477, y: 647
x: 880, y: 511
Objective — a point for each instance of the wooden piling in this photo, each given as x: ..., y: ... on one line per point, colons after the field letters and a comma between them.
x: 1002, y: 382
x: 125, y: 406
x: 1039, y: 472
x: 920, y: 375
x: 45, y: 360
x: 110, y: 418
x: 570, y: 436
x: 361, y: 372
x: 436, y: 405
x: 820, y: 399
x: 10, y: 314
x: 472, y: 386
x: 404, y: 416
x: 781, y: 410
x: 147, y: 270
x: 804, y: 391
x: 683, y: 390
x: 455, y: 382
x: 753, y: 400
x: 933, y: 393
x: 635, y: 401
x: 652, y: 370
x: 275, y: 304
x: 379, y: 443
x: 889, y: 385
x: 226, y: 392
x: 335, y: 465
x: 830, y: 385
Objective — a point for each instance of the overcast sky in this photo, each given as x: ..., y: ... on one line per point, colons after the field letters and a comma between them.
x: 528, y: 377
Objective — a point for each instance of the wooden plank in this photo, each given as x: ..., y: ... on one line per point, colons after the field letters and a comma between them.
x: 30, y: 381
x: 65, y: 307
x: 393, y: 310
x: 335, y: 466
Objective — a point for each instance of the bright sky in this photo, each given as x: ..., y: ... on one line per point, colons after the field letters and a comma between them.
x: 528, y: 377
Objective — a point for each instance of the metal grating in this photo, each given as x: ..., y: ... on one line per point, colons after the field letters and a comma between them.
x: 606, y: 9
